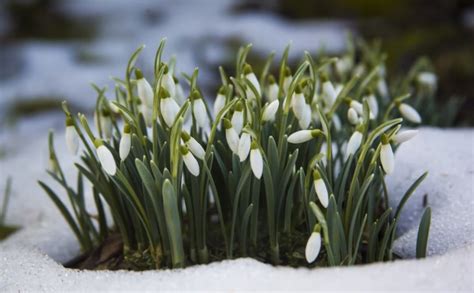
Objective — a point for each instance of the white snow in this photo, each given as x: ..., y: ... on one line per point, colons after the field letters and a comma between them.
x: 29, y: 259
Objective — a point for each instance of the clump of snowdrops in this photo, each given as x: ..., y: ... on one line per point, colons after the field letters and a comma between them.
x: 286, y: 168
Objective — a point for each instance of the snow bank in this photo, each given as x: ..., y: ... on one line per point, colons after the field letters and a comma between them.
x: 29, y: 259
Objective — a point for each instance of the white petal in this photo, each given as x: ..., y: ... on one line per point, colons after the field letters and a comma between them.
x: 147, y: 114
x: 286, y: 83
x: 352, y: 116
x: 253, y: 79
x: 373, y: 105
x: 244, y: 146
x: 191, y: 163
x: 382, y: 88
x: 196, y: 148
x: 405, y: 135
x: 300, y: 136
x: 409, y: 113
x: 256, y: 163
x: 357, y: 106
x: 124, y: 148
x: 273, y: 92
x: 106, y: 124
x: 305, y: 119
x: 169, y: 110
x: 313, y: 246
x: 321, y: 192
x: 336, y: 122
x: 354, y: 143
x: 106, y: 160
x: 145, y: 92
x: 219, y: 104
x: 180, y: 98
x: 238, y: 121
x: 72, y: 139
x: 329, y: 93
x: 387, y: 159
x: 200, y: 113
x: 298, y: 103
x: 428, y: 79
x: 232, y: 139
x: 168, y: 83
x: 270, y: 110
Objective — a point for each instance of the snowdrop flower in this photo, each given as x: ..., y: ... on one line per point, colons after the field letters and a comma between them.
x: 250, y: 76
x: 405, y: 135
x: 382, y: 88
x: 352, y: 116
x: 427, y: 79
x: 169, y: 107
x: 194, y: 146
x: 125, y: 142
x: 167, y: 81
x: 190, y: 161
x: 343, y: 65
x: 144, y: 89
x: 320, y: 188
x: 305, y: 119
x: 329, y: 93
x: 386, y: 156
x: 106, y: 158
x: 287, y: 79
x: 298, y: 102
x: 220, y: 101
x: 303, y: 135
x: 232, y: 137
x: 336, y: 122
x: 199, y: 110
x: 147, y: 113
x: 244, y: 146
x: 72, y: 139
x: 354, y: 143
x: 256, y: 161
x: 273, y: 89
x: 269, y: 112
x: 409, y: 113
x: 238, y: 117
x: 180, y: 98
x: 313, y: 246
x: 373, y: 105
x: 357, y: 106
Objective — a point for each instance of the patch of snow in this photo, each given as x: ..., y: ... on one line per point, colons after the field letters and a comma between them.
x: 29, y: 259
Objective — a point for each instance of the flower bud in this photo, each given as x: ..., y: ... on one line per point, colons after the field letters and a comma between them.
x: 303, y: 136
x: 409, y: 113
x: 199, y: 110
x: 272, y: 90
x: 144, y: 89
x: 106, y: 158
x: 405, y: 135
x: 238, y: 117
x: 352, y: 116
x: 270, y: 110
x: 354, y: 143
x: 244, y: 146
x: 313, y: 246
x: 169, y: 107
x: 256, y: 161
x: 320, y: 188
x: 220, y: 101
x: 72, y: 139
x: 386, y: 156
x: 190, y: 161
x: 231, y: 136
x: 193, y: 145
x: 125, y: 143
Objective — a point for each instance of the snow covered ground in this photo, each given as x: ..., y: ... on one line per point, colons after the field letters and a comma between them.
x: 29, y: 259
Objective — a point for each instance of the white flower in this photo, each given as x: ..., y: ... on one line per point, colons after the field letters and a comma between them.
x: 180, y: 98
x: 220, y: 101
x: 72, y: 139
x: 272, y: 90
x: 409, y: 113
x: 427, y: 79
x: 244, y: 146
x: 313, y: 246
x: 287, y: 79
x: 269, y: 112
x: 382, y: 88
x: 169, y: 107
x: 199, y: 110
x: 144, y: 89
x: 373, y: 106
x: 190, y: 161
x: 344, y: 64
x: 231, y: 136
x: 250, y: 76
x: 352, y: 116
x: 167, y: 82
x: 354, y: 143
x: 336, y: 122
x: 405, y: 135
x: 387, y: 158
x: 357, y: 106
x: 329, y: 94
x: 106, y: 158
x: 305, y: 119
x: 302, y: 136
x: 238, y: 117
x: 256, y: 161
x: 320, y: 188
x: 193, y: 145
x: 298, y: 102
x: 125, y: 143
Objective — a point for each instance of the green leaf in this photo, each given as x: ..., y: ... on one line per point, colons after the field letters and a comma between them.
x: 173, y: 223
x: 423, y: 234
